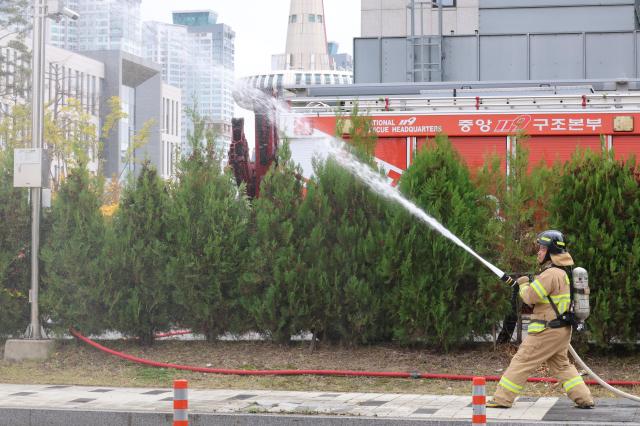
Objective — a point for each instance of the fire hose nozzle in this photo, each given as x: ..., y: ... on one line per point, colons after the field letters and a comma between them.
x: 507, y: 279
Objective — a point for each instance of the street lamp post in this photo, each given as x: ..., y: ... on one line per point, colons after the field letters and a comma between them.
x: 39, y: 32
x: 40, y: 15
x: 34, y: 347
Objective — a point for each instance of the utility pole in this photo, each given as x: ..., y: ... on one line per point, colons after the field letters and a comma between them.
x: 39, y: 32
x: 34, y: 347
x: 440, y: 32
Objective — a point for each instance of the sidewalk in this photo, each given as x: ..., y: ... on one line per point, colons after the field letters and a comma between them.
x: 71, y: 405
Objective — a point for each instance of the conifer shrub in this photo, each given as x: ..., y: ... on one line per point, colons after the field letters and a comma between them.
x: 441, y: 294
x: 597, y: 207
x: 137, y: 291
x: 208, y: 217
x: 275, y: 261
x: 15, y: 242
x: 72, y: 256
x: 341, y: 296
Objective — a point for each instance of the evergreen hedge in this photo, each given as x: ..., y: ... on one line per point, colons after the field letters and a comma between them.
x: 340, y: 261
x: 341, y: 295
x: 441, y: 295
x: 137, y: 290
x: 15, y: 256
x: 275, y: 262
x: 207, y: 246
x: 597, y: 206
x: 73, y: 278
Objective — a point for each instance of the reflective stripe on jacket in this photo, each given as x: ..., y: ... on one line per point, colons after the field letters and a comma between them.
x: 552, y: 282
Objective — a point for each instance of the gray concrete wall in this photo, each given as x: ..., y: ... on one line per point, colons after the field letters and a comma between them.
x: 149, y: 107
x: 110, y: 87
x: 531, y: 16
x: 609, y: 55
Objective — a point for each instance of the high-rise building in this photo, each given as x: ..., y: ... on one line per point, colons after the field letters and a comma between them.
x: 110, y: 31
x: 103, y: 25
x: 169, y: 46
x: 203, y: 67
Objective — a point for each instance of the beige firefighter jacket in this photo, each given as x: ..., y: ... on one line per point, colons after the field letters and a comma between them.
x: 553, y: 282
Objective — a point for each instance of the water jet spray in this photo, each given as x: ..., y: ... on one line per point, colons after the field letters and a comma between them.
x: 327, y: 146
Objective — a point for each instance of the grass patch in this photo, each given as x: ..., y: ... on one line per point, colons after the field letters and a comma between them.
x: 153, y: 375
x: 78, y: 364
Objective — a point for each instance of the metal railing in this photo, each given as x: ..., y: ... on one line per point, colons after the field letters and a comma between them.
x: 617, y: 101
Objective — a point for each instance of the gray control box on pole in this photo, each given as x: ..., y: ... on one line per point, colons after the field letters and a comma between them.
x: 30, y: 168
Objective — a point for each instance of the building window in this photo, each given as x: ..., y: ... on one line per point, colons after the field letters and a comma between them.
x: 319, y: 19
x: 312, y: 18
x: 317, y: 79
x: 293, y: 19
x: 307, y: 79
x: 445, y: 3
x: 298, y: 78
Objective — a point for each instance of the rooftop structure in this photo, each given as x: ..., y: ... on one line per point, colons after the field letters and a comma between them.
x: 503, y: 40
x: 308, y: 59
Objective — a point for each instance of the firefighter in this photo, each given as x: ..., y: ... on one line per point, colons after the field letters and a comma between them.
x: 548, y: 337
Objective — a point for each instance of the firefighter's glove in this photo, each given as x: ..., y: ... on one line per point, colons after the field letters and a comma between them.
x: 524, y: 280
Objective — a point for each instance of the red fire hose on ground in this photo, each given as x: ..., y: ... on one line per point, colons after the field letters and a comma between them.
x: 343, y: 373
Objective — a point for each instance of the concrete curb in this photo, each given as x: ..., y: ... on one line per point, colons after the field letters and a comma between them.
x: 51, y: 417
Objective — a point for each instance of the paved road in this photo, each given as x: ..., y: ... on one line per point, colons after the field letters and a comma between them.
x: 78, y: 405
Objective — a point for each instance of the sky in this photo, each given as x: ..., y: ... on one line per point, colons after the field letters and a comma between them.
x: 261, y: 25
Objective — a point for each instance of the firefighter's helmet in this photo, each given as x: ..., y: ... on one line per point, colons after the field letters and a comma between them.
x: 553, y: 240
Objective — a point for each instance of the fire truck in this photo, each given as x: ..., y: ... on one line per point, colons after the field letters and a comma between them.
x: 552, y: 120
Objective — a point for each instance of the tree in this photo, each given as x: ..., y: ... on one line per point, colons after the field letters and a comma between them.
x: 70, y: 137
x: 440, y: 295
x: 208, y: 219
x: 344, y: 221
x: 275, y: 260
x: 521, y: 204
x: 72, y: 140
x: 15, y: 69
x: 521, y: 211
x: 358, y: 130
x: 341, y: 294
x: 597, y: 207
x: 72, y: 255
x: 137, y: 291
x: 14, y: 250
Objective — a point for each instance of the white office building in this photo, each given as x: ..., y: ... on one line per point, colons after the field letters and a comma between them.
x: 103, y: 25
x: 197, y: 54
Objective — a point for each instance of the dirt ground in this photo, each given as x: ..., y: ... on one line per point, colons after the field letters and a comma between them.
x: 76, y: 363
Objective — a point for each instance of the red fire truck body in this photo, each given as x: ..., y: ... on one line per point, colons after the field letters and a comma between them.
x: 554, y: 126
x: 551, y: 125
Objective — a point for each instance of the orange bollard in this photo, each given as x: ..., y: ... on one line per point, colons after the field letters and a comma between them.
x: 479, y: 401
x: 180, y: 403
